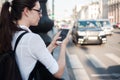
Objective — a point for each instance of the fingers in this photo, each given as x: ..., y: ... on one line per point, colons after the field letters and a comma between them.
x: 57, y: 35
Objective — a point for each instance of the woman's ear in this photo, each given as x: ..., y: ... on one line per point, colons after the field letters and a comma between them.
x: 26, y: 11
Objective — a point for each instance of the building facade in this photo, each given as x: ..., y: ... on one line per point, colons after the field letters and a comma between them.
x: 91, y: 11
x: 104, y: 8
x: 97, y: 10
x: 114, y: 11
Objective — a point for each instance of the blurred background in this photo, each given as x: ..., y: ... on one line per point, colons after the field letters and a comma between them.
x: 93, y: 52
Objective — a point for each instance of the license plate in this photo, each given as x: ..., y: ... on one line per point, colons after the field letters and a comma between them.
x: 92, y: 38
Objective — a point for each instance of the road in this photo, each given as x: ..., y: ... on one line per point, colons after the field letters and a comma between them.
x: 96, y: 62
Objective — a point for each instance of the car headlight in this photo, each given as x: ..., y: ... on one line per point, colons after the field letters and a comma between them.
x: 80, y: 33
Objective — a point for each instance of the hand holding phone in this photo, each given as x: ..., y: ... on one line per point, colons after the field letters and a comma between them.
x: 63, y: 35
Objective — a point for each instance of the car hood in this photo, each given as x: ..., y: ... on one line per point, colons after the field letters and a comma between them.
x: 90, y: 29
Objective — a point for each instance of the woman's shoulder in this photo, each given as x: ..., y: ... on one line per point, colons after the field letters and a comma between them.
x: 28, y: 35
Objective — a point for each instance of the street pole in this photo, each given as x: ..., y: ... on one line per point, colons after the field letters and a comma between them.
x: 53, y: 9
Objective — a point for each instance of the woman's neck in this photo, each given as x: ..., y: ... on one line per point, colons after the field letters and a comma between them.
x: 22, y: 22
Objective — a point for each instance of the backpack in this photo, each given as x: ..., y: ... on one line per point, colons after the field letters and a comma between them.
x: 40, y: 72
x: 8, y: 66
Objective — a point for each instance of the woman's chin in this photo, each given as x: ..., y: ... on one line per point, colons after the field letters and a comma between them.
x: 35, y: 24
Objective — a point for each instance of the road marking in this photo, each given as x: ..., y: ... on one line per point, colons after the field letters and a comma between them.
x: 105, y: 75
x: 77, y: 67
x: 75, y: 63
x: 95, y: 61
x: 113, y: 57
x: 81, y: 74
x: 99, y: 75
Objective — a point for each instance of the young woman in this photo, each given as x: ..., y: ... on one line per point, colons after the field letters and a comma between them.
x: 15, y: 18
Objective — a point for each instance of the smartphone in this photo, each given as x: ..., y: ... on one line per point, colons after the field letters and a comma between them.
x: 63, y: 35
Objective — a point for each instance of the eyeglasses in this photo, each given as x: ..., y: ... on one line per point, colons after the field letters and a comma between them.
x: 39, y: 11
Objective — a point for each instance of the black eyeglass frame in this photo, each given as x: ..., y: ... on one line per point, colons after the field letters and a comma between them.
x: 39, y: 11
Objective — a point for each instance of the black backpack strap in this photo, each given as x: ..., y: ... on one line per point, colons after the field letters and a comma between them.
x: 18, y: 39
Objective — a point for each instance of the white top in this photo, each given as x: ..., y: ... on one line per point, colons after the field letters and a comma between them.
x: 30, y: 49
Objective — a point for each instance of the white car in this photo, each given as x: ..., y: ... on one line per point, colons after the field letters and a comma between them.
x: 87, y: 32
x: 106, y: 26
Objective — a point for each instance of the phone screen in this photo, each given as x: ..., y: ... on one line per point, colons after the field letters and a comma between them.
x: 63, y: 34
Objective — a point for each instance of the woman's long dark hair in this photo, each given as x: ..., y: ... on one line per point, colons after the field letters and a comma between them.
x: 8, y: 21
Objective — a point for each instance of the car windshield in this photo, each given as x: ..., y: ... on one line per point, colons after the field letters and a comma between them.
x: 87, y: 24
x: 104, y: 23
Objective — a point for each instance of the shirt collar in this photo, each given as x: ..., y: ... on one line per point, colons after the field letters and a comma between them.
x: 25, y: 28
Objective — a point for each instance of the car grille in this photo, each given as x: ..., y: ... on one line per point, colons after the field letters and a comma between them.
x: 92, y: 33
x: 80, y: 36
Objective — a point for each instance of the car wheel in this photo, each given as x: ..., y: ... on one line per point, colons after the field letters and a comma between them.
x: 74, y: 41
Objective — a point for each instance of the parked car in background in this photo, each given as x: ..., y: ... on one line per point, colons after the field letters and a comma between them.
x: 117, y: 25
x: 88, y: 32
x: 62, y: 25
x: 106, y: 26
